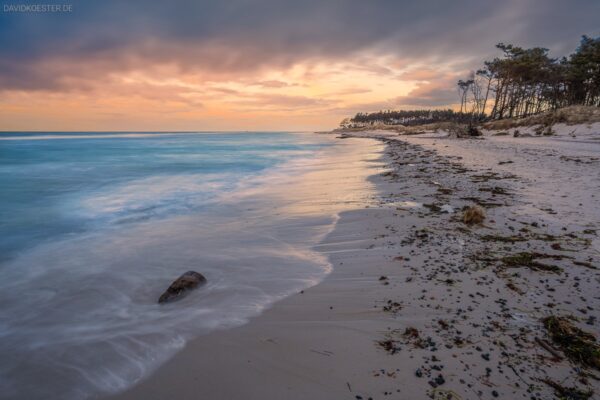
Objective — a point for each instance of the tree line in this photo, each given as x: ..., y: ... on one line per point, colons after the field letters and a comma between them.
x: 520, y: 83
x: 408, y: 117
x: 527, y: 81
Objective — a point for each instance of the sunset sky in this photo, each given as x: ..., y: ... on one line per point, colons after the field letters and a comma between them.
x: 256, y: 65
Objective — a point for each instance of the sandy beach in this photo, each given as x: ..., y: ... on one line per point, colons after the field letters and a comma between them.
x: 420, y: 304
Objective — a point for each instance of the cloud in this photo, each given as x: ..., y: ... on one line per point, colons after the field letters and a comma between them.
x: 221, y: 63
x: 279, y: 102
x: 350, y: 90
x: 226, y: 37
x: 273, y: 84
x: 435, y: 92
x: 420, y: 74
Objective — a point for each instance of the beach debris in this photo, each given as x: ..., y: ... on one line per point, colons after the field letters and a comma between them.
x: 411, y: 333
x: 392, y: 307
x: 447, y: 208
x: 437, y: 381
x: 389, y: 345
x: 512, y: 286
x: 579, y: 346
x: 179, y: 288
x: 444, y: 394
x: 568, y: 393
x: 463, y: 131
x: 488, y: 176
x: 585, y: 264
x: 503, y: 239
x: 482, y: 203
x: 422, y: 234
x: 474, y: 131
x: 433, y: 207
x: 494, y: 190
x: 473, y: 215
x: 545, y: 130
x: 548, y: 347
x: 525, y: 259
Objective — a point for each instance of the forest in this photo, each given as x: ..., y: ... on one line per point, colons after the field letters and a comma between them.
x: 411, y: 117
x: 519, y: 83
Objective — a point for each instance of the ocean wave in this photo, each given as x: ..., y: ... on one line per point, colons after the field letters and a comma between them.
x: 153, y: 196
x: 80, y: 314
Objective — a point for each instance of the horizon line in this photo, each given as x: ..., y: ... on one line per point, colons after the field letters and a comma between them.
x: 164, y: 131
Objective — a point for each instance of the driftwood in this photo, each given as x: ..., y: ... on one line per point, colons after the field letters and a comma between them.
x: 548, y: 347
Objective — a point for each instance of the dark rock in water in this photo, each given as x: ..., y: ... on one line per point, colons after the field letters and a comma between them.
x: 186, y: 282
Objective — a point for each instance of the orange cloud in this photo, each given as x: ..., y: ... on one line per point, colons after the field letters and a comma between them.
x: 308, y: 95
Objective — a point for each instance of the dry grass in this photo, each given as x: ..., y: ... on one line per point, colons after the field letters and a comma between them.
x: 473, y: 215
x: 569, y: 115
x: 408, y: 130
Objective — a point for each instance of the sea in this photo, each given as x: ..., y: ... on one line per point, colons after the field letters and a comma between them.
x: 94, y: 226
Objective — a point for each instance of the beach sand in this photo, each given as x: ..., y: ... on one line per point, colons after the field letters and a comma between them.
x: 419, y: 304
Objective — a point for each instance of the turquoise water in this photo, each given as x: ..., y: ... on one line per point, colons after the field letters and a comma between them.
x: 56, y: 184
x: 94, y: 226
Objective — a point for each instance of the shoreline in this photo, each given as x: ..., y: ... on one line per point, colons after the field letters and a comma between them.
x: 413, y: 308
x: 98, y: 328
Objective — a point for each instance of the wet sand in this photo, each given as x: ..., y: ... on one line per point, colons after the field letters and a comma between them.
x: 419, y: 304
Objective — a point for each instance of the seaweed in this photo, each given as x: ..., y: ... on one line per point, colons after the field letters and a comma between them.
x: 504, y: 239
x: 389, y: 345
x: 445, y: 190
x: 433, y: 207
x: 494, y: 190
x: 568, y: 393
x: 482, y: 203
x: 525, y: 259
x: 585, y: 264
x: 487, y: 176
x: 511, y: 285
x: 579, y: 346
x: 392, y: 307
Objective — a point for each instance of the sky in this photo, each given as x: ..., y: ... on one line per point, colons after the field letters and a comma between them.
x: 113, y: 65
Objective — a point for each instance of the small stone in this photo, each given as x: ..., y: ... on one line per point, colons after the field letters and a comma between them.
x: 439, y: 380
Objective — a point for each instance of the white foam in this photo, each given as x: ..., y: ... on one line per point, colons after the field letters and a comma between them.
x: 146, y: 195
